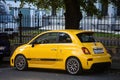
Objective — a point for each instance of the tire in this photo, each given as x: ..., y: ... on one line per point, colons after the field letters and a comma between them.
x: 20, y: 63
x: 73, y: 66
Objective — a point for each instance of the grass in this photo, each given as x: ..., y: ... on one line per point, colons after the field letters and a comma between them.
x: 111, y: 35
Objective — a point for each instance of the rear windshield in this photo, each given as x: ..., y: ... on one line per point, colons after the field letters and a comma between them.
x: 86, y: 37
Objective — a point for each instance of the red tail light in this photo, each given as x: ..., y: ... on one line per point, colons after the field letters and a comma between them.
x: 85, y: 50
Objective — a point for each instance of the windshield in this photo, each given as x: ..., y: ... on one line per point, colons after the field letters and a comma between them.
x: 6, y: 18
x: 86, y: 37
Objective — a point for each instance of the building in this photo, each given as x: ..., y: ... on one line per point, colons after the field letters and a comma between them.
x: 35, y: 16
x: 3, y: 8
x: 14, y: 6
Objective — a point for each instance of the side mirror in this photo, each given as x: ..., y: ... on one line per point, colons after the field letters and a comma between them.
x: 34, y: 42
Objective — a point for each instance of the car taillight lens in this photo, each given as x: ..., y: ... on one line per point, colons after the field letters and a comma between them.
x: 85, y: 50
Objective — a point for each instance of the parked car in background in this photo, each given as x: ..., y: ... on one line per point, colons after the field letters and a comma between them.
x: 8, y: 24
x: 4, y: 46
x: 70, y: 50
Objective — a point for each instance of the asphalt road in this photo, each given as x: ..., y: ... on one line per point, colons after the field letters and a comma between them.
x: 9, y: 73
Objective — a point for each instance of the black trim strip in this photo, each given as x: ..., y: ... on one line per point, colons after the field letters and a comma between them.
x: 43, y: 59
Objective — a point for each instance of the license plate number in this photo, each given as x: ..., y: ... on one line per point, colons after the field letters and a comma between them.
x: 98, y: 50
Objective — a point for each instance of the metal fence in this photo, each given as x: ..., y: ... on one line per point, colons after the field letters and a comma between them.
x: 107, y: 29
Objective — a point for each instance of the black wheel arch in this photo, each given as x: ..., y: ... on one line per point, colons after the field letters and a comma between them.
x: 80, y: 67
x: 73, y: 57
x: 20, y: 55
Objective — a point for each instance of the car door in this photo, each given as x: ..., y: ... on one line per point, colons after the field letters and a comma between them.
x: 45, y: 50
x: 65, y: 48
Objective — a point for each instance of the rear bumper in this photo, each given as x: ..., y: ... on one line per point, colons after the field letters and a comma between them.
x: 95, y: 62
x: 101, y: 66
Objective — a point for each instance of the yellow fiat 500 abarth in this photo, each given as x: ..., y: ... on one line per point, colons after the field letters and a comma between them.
x: 70, y: 50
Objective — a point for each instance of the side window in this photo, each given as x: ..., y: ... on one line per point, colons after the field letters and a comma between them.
x: 64, y: 38
x: 52, y: 37
x: 86, y: 37
x: 47, y: 38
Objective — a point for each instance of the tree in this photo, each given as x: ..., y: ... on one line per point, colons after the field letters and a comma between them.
x: 73, y: 8
x: 45, y: 4
x: 73, y: 14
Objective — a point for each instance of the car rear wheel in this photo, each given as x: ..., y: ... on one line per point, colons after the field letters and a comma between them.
x: 20, y: 63
x: 73, y: 66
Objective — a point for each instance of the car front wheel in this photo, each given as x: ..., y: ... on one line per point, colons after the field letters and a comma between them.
x: 20, y: 63
x: 73, y: 66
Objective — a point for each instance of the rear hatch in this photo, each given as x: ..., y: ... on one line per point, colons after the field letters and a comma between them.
x: 90, y: 45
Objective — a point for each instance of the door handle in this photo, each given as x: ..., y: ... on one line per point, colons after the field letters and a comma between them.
x: 54, y: 49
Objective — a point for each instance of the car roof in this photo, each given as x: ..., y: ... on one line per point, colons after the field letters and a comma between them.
x: 73, y: 31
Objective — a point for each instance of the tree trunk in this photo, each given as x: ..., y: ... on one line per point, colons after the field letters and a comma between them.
x: 53, y: 11
x: 72, y: 14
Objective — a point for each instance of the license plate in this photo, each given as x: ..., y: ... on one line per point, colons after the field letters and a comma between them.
x: 98, y: 50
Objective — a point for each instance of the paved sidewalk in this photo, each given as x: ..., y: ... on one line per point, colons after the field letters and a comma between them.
x: 115, y: 66
x: 116, y: 63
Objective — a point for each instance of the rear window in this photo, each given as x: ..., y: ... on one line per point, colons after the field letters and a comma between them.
x: 86, y: 37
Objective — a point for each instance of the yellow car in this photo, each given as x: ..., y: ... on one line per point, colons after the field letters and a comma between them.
x: 70, y: 50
